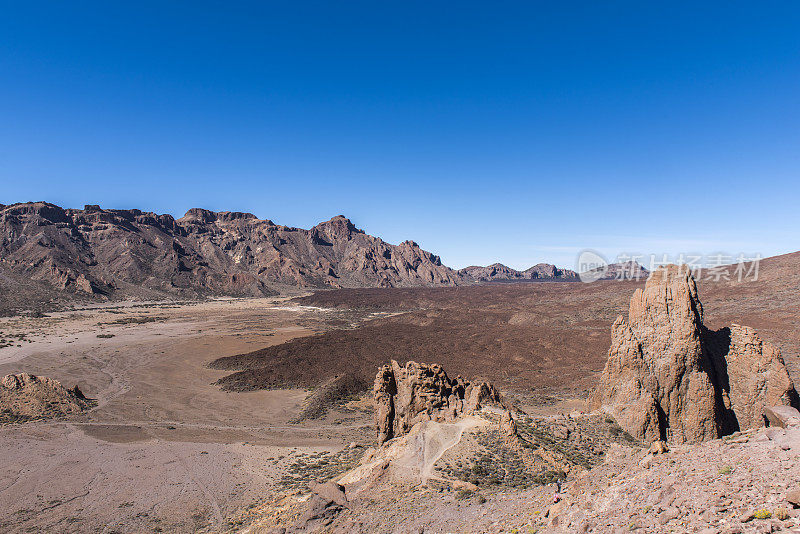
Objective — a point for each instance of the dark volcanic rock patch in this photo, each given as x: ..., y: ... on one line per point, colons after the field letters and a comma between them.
x: 332, y: 393
x: 514, y: 335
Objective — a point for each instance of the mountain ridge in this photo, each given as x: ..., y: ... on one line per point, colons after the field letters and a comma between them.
x: 96, y: 251
x: 497, y: 272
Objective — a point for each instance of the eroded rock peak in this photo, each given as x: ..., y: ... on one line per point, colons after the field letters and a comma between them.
x: 670, y: 377
x: 415, y: 392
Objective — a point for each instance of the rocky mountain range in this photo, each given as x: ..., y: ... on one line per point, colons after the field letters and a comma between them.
x: 130, y: 253
x: 95, y: 251
x: 497, y: 272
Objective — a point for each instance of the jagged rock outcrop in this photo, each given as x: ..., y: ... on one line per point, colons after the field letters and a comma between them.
x: 508, y: 427
x: 94, y: 251
x: 656, y: 377
x: 24, y: 396
x: 497, y: 272
x: 669, y: 377
x: 406, y: 395
x: 751, y: 376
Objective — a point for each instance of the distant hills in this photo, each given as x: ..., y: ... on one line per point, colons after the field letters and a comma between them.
x: 497, y: 272
x: 131, y: 253
x: 629, y: 270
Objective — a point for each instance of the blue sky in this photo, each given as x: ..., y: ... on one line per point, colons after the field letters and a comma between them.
x: 506, y: 131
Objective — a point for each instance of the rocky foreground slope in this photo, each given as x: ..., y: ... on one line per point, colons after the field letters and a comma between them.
x: 436, y: 435
x: 481, y: 467
x: 129, y: 252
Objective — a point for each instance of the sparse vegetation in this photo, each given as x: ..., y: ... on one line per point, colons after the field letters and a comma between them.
x: 134, y: 320
x: 8, y: 417
x: 318, y: 467
x: 11, y: 340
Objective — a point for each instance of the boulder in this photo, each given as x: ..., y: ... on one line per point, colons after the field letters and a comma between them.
x: 658, y: 447
x: 331, y: 491
x: 794, y: 497
x: 462, y: 485
x: 752, y: 375
x: 320, y: 512
x: 782, y: 416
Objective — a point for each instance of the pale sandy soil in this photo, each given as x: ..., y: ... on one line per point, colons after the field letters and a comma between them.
x: 166, y: 449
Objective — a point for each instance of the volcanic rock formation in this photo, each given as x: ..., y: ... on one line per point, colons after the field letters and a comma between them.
x: 24, y: 396
x: 406, y: 395
x: 669, y: 377
x: 98, y: 251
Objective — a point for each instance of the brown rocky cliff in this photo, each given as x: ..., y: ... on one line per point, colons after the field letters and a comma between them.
x: 667, y: 376
x: 98, y: 251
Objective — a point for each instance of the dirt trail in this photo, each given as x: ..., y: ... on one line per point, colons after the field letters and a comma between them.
x: 416, y: 453
x: 438, y: 442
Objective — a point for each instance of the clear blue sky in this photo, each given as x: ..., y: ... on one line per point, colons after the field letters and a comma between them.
x: 494, y: 131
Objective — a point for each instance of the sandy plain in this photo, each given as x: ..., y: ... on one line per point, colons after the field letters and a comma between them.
x: 165, y: 449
